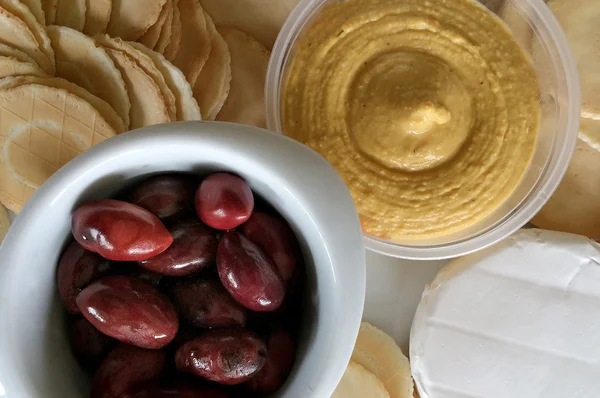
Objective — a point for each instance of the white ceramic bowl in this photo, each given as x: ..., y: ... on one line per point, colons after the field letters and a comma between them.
x: 35, y: 361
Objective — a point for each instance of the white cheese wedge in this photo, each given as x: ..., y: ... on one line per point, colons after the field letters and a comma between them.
x: 518, y: 320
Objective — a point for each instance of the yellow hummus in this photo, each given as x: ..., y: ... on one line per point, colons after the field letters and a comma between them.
x: 427, y: 108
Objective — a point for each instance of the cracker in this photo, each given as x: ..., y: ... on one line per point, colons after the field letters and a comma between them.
x: 359, y: 382
x: 10, y: 66
x: 579, y: 20
x: 148, y: 106
x: 258, y: 18
x: 71, y: 13
x: 187, y: 107
x: 43, y: 128
x: 165, y: 33
x: 150, y: 38
x: 194, y: 47
x: 148, y: 66
x: 172, y: 48
x: 589, y: 131
x: 4, y: 223
x: 49, y: 7
x: 130, y: 19
x: 97, y: 16
x: 35, y: 6
x: 20, y: 29
x: 107, y: 112
x: 80, y: 61
x: 574, y: 205
x: 8, y: 51
x: 212, y: 86
x: 245, y: 103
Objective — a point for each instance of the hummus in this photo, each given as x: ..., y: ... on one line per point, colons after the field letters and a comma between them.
x: 427, y: 108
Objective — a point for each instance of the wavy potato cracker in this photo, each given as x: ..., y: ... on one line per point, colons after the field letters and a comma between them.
x: 130, y: 19
x: 71, y: 13
x: 358, y: 382
x: 10, y: 66
x: 35, y: 6
x: 49, y: 7
x: 172, y: 48
x: 150, y: 38
x: 97, y: 16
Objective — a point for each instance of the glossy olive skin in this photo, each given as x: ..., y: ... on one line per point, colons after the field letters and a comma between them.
x: 224, y: 201
x: 119, y: 231
x: 194, y: 248
x: 130, y: 311
x: 277, y: 240
x: 165, y: 196
x: 125, y: 368
x: 77, y: 268
x: 225, y: 356
x: 204, y: 303
x: 248, y: 274
x: 89, y: 345
x: 281, y: 354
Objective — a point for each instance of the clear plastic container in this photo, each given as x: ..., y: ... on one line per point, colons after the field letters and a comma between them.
x: 536, y: 29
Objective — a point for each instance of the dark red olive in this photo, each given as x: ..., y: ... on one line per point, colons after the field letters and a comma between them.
x: 248, y: 274
x: 125, y: 368
x: 88, y: 344
x: 129, y: 310
x: 281, y: 353
x: 178, y: 390
x: 166, y: 196
x: 205, y: 303
x: 224, y: 201
x: 77, y: 268
x: 225, y: 356
x: 193, y: 249
x: 119, y: 231
x: 277, y: 240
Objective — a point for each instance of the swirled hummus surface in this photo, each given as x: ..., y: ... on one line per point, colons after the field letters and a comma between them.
x: 427, y: 108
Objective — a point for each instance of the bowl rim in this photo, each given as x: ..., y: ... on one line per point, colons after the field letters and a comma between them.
x: 513, y: 221
x: 349, y: 272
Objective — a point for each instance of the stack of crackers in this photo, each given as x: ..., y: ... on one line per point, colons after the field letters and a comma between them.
x: 76, y: 72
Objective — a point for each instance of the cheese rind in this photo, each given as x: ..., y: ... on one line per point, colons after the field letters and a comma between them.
x: 517, y: 320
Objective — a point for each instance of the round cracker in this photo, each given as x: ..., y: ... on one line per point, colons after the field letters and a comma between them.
x: 130, y: 19
x: 165, y: 33
x: 150, y: 38
x: 579, y: 20
x: 589, y: 131
x: 34, y: 42
x: 10, y: 66
x: 148, y: 106
x: 97, y: 16
x: 8, y: 51
x: 245, y: 103
x: 43, y: 128
x: 194, y: 47
x: 212, y: 86
x: 172, y: 48
x: 359, y: 382
x: 258, y: 18
x: 4, y: 223
x: 49, y: 7
x: 574, y: 207
x: 187, y: 107
x: 71, y: 13
x: 80, y: 61
x: 147, y: 64
x: 379, y: 354
x: 107, y: 112
x: 35, y: 6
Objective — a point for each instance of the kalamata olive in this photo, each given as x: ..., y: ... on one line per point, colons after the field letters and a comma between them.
x: 205, y: 303
x: 276, y: 239
x: 166, y: 196
x: 149, y: 277
x: 119, y: 231
x: 225, y: 356
x: 178, y: 390
x: 89, y: 346
x: 77, y: 268
x: 125, y: 368
x: 194, y: 247
x: 224, y: 201
x: 248, y: 274
x: 129, y: 310
x: 281, y: 353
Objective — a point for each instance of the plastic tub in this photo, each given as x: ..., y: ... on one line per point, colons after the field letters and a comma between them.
x: 559, y: 124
